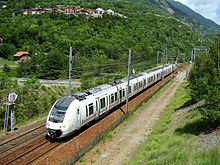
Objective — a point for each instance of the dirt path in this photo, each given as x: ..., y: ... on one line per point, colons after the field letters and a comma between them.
x: 127, y: 137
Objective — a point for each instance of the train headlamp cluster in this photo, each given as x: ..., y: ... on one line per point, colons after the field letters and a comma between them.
x: 61, y: 126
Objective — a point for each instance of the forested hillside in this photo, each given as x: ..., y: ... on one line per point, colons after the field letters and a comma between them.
x: 196, y: 16
x: 47, y: 37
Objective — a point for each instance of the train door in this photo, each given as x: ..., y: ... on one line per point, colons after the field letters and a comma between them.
x: 120, y: 94
x: 107, y: 102
x: 97, y: 108
x: 78, y: 119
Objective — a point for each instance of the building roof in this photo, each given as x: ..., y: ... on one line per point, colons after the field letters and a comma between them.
x: 19, y: 54
x: 99, y: 9
x: 109, y: 10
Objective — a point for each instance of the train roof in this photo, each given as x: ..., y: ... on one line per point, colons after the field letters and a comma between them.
x: 64, y: 102
x: 82, y: 95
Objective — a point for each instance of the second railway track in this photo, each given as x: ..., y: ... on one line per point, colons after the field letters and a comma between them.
x: 21, y: 139
x: 25, y: 145
x: 29, y: 152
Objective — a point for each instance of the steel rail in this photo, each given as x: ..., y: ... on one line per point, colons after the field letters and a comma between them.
x: 22, y: 135
x: 22, y: 142
x: 43, y: 154
x: 18, y: 157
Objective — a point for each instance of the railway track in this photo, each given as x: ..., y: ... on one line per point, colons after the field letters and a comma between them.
x: 26, y: 145
x: 21, y: 139
x: 29, y: 152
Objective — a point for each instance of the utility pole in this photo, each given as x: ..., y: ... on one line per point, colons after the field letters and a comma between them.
x: 162, y: 69
x: 157, y: 57
x: 128, y: 79
x: 70, y: 69
x: 218, y: 55
x: 192, y: 58
x: 177, y: 56
x: 166, y: 58
x: 172, y: 69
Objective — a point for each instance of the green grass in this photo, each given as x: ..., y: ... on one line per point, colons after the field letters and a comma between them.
x: 152, y: 99
x: 4, y: 61
x: 168, y: 145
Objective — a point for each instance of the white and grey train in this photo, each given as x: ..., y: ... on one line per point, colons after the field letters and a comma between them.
x: 70, y: 113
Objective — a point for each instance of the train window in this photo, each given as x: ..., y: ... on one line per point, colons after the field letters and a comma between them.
x: 86, y: 111
x: 120, y: 94
x: 144, y: 82
x: 107, y: 99
x: 90, y: 108
x: 102, y: 102
x: 129, y: 89
x: 116, y: 96
x: 123, y: 93
x: 112, y: 98
x: 96, y: 106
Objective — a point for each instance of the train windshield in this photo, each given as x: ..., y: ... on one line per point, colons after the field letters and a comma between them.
x: 59, y: 110
x: 57, y: 115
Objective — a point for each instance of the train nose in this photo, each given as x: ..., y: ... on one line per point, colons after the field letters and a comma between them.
x: 54, y: 133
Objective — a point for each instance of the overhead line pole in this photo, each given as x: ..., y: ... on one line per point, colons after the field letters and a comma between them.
x: 70, y: 69
x: 192, y: 58
x: 157, y: 57
x: 162, y: 69
x: 128, y: 79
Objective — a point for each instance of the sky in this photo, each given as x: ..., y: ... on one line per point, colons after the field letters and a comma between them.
x: 207, y: 8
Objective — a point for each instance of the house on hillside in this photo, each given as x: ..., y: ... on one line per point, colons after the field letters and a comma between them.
x: 81, y: 11
x: 19, y: 56
x: 4, y: 6
x: 90, y: 11
x: 27, y: 11
x: 110, y: 12
x: 99, y: 11
x: 69, y: 11
x: 48, y: 10
x: 35, y: 10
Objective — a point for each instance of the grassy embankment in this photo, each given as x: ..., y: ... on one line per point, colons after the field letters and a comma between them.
x: 179, y: 136
x: 11, y: 64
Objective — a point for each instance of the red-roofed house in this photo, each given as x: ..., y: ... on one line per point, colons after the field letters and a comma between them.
x: 19, y: 56
x: 69, y: 11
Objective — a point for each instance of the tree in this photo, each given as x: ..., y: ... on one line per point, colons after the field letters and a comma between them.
x: 205, y: 81
x: 6, y: 69
x: 7, y: 50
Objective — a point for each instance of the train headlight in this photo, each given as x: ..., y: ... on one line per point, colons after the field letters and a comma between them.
x: 48, y: 124
x: 62, y: 126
